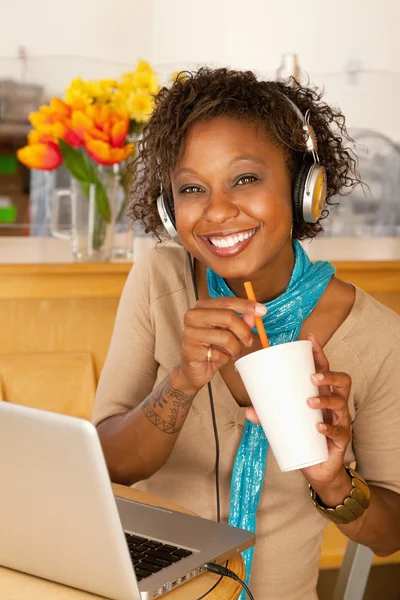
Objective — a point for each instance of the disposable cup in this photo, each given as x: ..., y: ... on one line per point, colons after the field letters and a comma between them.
x: 278, y: 382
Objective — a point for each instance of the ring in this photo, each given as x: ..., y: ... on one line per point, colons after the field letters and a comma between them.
x: 209, y: 353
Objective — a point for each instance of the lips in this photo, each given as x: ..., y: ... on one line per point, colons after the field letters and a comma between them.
x: 225, y: 238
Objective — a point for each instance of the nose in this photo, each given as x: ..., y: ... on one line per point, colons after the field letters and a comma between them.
x: 220, y: 207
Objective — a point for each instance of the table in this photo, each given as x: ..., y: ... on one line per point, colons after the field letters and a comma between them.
x: 20, y: 586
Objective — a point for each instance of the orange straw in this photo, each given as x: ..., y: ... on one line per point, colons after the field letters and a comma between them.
x: 259, y: 324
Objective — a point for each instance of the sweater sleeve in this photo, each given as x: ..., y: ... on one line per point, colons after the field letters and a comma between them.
x: 130, y: 369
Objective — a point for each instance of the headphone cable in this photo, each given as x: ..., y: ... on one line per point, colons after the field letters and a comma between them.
x: 212, y: 407
x: 224, y: 572
x: 214, y: 586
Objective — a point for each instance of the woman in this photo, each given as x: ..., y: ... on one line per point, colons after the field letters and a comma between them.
x: 228, y: 151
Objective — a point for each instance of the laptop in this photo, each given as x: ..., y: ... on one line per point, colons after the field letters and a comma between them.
x: 60, y: 520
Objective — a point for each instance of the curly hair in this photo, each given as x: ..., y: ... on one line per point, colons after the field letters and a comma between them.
x: 209, y: 93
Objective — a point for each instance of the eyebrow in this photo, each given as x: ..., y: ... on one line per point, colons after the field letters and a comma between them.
x: 248, y: 158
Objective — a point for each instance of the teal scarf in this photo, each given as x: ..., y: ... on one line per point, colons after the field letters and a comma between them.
x: 283, y: 323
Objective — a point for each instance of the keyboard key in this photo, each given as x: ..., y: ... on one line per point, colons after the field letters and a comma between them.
x: 141, y: 573
x: 152, y: 545
x: 135, y: 539
x: 157, y: 561
x: 149, y: 567
x: 168, y: 549
x: 136, y: 548
x: 182, y: 553
x: 164, y: 556
x: 136, y: 554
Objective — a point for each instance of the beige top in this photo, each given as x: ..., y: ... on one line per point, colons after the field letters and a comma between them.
x: 145, y: 347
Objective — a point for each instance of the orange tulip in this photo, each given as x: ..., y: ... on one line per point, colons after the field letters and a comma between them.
x: 96, y: 134
x: 77, y: 125
x: 59, y: 122
x: 56, y: 111
x: 100, y: 129
x: 104, y: 153
x: 119, y: 131
x: 56, y: 107
x: 104, y: 142
x: 34, y: 137
x: 43, y: 156
x: 114, y: 123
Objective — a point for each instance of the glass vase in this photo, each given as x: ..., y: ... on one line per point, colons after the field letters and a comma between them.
x: 90, y: 235
x: 115, y: 180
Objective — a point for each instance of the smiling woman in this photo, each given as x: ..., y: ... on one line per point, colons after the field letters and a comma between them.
x: 238, y: 170
x: 219, y: 195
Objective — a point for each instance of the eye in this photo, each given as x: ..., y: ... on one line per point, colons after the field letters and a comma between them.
x: 190, y: 189
x: 246, y: 179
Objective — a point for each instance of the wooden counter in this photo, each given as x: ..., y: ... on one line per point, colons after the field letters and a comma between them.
x: 65, y: 306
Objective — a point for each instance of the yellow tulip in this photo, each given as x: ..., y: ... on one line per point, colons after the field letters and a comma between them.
x: 140, y: 106
x: 145, y: 80
x: 179, y: 76
x: 118, y: 102
x: 143, y: 65
x: 77, y: 96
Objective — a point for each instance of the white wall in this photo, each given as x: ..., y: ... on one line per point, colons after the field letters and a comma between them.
x: 67, y: 38
x: 326, y: 35
x: 252, y: 34
x: 255, y: 33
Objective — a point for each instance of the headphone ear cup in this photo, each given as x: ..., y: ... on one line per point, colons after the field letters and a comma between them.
x: 166, y: 212
x: 298, y: 190
x: 169, y: 205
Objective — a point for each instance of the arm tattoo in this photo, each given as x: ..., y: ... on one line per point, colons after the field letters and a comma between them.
x: 167, y: 408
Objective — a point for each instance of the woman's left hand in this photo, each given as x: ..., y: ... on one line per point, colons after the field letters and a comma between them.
x: 334, y: 391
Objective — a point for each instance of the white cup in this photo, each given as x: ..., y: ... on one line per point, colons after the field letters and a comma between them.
x: 277, y: 380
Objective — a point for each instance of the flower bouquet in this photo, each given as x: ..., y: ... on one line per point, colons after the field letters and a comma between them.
x: 92, y: 132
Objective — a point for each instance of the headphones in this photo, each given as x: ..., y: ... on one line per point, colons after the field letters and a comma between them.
x: 308, y: 188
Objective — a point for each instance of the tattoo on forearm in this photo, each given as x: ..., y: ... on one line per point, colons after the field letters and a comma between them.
x: 169, y: 419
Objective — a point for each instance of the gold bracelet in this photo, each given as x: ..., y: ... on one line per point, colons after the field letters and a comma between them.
x: 353, y: 506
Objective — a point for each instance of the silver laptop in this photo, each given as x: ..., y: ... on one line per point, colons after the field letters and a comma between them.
x: 60, y: 520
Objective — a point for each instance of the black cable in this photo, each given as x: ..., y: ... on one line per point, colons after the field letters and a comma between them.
x: 213, y: 567
x: 214, y: 586
x: 224, y: 572
x: 214, y: 421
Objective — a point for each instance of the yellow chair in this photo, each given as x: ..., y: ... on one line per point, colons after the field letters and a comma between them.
x: 62, y: 382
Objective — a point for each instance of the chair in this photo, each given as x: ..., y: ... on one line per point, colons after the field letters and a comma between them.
x: 354, y: 572
x: 353, y: 561
x: 62, y: 382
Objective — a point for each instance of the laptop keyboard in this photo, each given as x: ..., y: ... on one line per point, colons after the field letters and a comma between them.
x: 149, y: 557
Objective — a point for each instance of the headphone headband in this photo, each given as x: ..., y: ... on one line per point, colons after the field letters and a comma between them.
x: 311, y: 138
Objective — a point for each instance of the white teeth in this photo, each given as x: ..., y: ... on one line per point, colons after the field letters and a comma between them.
x: 231, y: 240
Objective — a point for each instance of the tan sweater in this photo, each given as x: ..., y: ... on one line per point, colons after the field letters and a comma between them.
x: 145, y: 347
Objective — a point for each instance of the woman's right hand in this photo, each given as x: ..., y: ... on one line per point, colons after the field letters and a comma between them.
x: 214, y: 330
